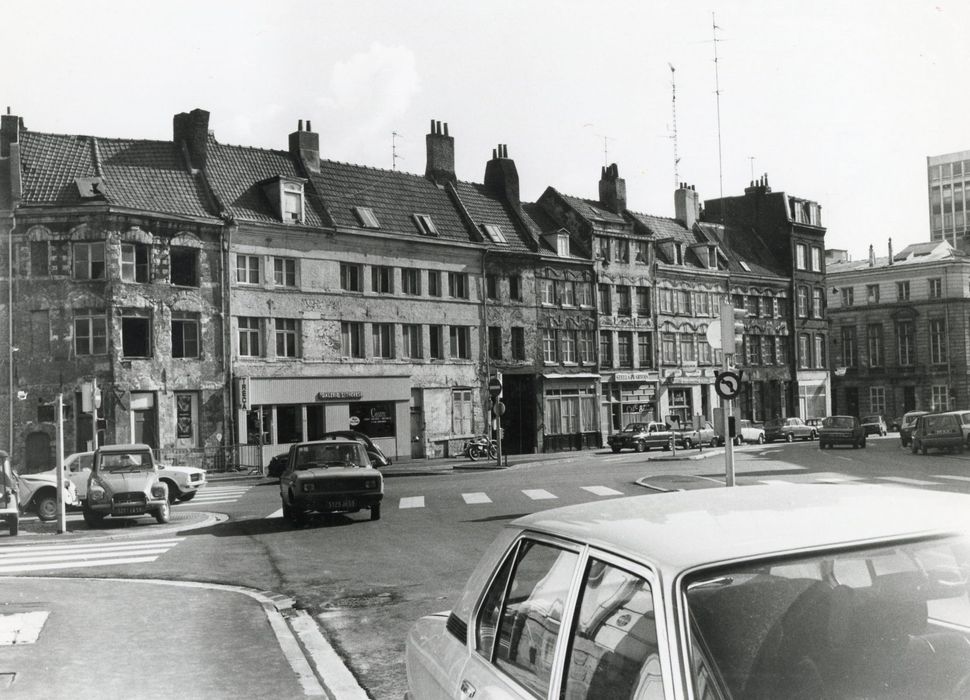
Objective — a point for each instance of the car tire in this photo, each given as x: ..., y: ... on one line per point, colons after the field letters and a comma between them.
x: 863, y: 445
x: 639, y: 446
x: 789, y: 437
x: 91, y: 518
x: 173, y: 493
x: 375, y: 512
x: 46, y: 508
x: 163, y: 513
x: 615, y: 449
x: 285, y: 508
x: 688, y: 443
x: 713, y: 442
x: 922, y: 449
x: 186, y: 497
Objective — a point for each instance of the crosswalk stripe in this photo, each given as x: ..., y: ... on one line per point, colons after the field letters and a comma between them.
x: 275, y: 514
x: 907, y: 481
x: 538, y: 494
x: 476, y: 498
x: 16, y: 549
x: 197, y: 501
x: 76, y: 564
x: 954, y: 477
x: 412, y: 502
x: 82, y: 557
x: 602, y: 491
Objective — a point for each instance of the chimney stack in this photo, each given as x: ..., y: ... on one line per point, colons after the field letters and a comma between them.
x: 612, y: 189
x: 192, y: 129
x: 10, y: 126
x: 501, y: 176
x: 305, y: 145
x: 687, y: 206
x: 440, y: 166
x: 872, y: 256
x: 890, y: 251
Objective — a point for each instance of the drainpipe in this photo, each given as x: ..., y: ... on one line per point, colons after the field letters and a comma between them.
x: 10, y: 347
x: 230, y: 436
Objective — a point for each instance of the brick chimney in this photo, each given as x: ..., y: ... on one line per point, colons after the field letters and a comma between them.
x: 759, y: 186
x: 501, y: 177
x: 687, y: 207
x: 10, y: 126
x: 441, y: 155
x: 192, y: 129
x: 612, y: 189
x: 890, y: 251
x: 305, y: 145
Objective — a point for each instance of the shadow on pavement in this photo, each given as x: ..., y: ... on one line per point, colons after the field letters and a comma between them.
x: 492, y: 518
x: 265, y: 526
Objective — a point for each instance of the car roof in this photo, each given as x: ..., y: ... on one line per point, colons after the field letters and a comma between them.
x: 681, y: 530
x: 131, y: 447
x: 329, y: 441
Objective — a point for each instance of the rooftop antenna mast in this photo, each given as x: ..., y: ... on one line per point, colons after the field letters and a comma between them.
x: 717, y: 95
x: 394, y: 155
x: 673, y: 101
x: 606, y: 150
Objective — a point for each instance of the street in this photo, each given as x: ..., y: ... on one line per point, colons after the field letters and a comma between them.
x: 366, y: 582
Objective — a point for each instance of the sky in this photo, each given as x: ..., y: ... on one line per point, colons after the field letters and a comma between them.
x: 837, y: 102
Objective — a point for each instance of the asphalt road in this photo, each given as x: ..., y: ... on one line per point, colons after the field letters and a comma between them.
x: 367, y: 582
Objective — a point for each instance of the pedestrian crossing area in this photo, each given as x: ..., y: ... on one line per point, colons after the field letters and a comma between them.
x: 223, y: 493
x: 19, y: 559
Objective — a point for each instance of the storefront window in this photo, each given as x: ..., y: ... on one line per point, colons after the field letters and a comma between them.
x: 253, y: 425
x: 289, y: 424
x: 570, y: 411
x: 373, y: 418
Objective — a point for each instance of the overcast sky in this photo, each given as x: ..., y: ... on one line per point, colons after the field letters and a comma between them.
x: 839, y: 102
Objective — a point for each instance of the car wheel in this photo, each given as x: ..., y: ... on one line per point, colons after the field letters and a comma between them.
x: 47, y: 508
x: 639, y: 446
x: 185, y: 497
x: 863, y: 445
x: 814, y: 435
x: 789, y: 437
x: 688, y: 443
x: 615, y: 449
x: 91, y: 518
x: 163, y: 513
x: 286, y: 510
x: 173, y: 493
x: 713, y: 442
x: 922, y: 449
x: 375, y: 511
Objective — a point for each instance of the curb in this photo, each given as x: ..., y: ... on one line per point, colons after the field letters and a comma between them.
x: 194, y: 521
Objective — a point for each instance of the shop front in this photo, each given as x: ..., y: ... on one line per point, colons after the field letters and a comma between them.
x: 629, y: 397
x: 687, y: 392
x: 570, y: 420
x: 273, y: 412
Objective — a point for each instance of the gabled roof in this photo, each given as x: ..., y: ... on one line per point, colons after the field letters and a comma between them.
x: 146, y: 175
x: 485, y: 207
x: 746, y: 252
x: 395, y: 197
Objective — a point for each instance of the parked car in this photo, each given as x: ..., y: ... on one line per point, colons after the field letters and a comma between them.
x: 874, y: 425
x: 9, y: 502
x: 906, y: 426
x: 641, y: 437
x: 692, y: 437
x: 964, y: 418
x: 789, y: 429
x: 277, y: 464
x: 329, y: 476
x: 841, y: 430
x: 183, y: 482
x: 125, y: 480
x: 801, y: 591
x: 744, y: 431
x: 937, y: 431
x: 377, y: 457
x: 38, y: 494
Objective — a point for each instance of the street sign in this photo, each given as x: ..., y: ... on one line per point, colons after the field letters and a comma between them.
x: 494, y: 386
x: 498, y: 409
x: 727, y: 384
x: 713, y: 335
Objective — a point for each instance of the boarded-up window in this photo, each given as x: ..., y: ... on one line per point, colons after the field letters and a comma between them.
x: 136, y: 336
x: 39, y: 262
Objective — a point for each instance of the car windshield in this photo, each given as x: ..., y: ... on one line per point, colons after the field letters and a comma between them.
x: 871, y: 419
x: 889, y: 622
x: 938, y: 422
x: 837, y: 422
x: 910, y: 420
x: 126, y: 461
x: 347, y: 455
x: 634, y: 428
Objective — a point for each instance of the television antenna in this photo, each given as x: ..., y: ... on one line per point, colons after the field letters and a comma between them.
x: 394, y: 155
x: 717, y: 97
x: 673, y: 136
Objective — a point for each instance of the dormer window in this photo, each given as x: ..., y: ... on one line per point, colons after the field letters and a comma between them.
x: 562, y: 245
x: 287, y: 196
x: 366, y: 217
x: 494, y: 232
x: 425, y: 225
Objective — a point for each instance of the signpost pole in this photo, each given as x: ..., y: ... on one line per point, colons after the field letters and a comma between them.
x: 728, y: 440
x: 61, y: 515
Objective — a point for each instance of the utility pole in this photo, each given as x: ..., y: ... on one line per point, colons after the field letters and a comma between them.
x: 717, y: 97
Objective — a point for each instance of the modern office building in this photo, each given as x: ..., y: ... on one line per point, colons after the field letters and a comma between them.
x: 948, y: 188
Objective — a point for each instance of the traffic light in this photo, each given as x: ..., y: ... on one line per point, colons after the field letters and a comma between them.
x: 732, y: 328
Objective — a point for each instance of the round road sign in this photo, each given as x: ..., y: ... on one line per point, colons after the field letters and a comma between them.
x: 498, y: 409
x: 494, y: 386
x: 727, y: 384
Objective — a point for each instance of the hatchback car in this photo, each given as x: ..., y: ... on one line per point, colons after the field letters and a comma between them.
x: 124, y: 481
x: 906, y: 424
x: 801, y: 591
x: 789, y: 429
x: 641, y: 437
x: 376, y: 455
x: 937, y: 431
x: 841, y: 430
x: 874, y: 424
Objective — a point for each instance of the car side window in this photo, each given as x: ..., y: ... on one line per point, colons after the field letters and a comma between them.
x: 531, y: 613
x: 613, y: 650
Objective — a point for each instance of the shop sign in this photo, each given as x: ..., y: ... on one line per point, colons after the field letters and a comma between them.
x: 636, y: 376
x: 339, y: 395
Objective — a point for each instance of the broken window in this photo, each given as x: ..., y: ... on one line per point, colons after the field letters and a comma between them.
x: 136, y: 336
x: 185, y: 335
x: 134, y: 262
x: 183, y: 270
x: 89, y: 261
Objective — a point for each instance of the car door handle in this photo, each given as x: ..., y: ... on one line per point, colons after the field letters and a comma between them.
x: 467, y: 689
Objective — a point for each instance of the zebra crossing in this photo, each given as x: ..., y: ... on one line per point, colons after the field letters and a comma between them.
x: 18, y: 559
x: 210, y: 495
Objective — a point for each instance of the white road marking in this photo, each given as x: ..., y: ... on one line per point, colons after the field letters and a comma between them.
x: 538, y: 494
x: 954, y: 477
x: 476, y: 498
x: 602, y: 491
x: 19, y: 558
x: 275, y: 514
x: 22, y: 628
x: 908, y: 481
x: 411, y: 502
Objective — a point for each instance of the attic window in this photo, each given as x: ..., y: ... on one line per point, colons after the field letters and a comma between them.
x: 292, y: 202
x: 425, y: 225
x: 366, y: 217
x: 90, y: 187
x: 562, y: 245
x: 494, y: 232
x: 745, y: 266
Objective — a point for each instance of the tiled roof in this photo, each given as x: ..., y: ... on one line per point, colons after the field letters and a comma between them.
x: 589, y: 209
x: 485, y: 207
x: 145, y: 175
x: 914, y: 254
x: 393, y: 196
x: 236, y: 174
x: 662, y: 227
x: 743, y: 245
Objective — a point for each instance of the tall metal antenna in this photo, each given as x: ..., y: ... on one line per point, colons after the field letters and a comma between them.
x: 673, y: 103
x: 394, y: 155
x: 717, y: 93
x: 606, y: 149
x: 751, y: 160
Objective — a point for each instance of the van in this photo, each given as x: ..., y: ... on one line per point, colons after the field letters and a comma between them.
x: 964, y: 418
x: 907, y: 424
x: 941, y: 431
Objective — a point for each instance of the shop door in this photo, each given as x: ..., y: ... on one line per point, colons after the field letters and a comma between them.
x: 144, y: 419
x: 519, y: 421
x: 417, y: 424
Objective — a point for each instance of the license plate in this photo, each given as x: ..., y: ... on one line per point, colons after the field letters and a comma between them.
x: 129, y: 510
x: 343, y: 504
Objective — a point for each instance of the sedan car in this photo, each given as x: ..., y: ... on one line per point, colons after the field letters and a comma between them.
x: 937, y: 431
x: 841, y: 430
x: 640, y: 437
x: 376, y: 455
x: 691, y: 437
x: 875, y: 424
x: 800, y: 591
x: 789, y: 429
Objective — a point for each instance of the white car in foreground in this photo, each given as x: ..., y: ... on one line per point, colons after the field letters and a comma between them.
x: 183, y: 482
x: 766, y: 592
x: 38, y: 494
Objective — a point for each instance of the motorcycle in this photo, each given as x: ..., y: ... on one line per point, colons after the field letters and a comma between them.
x: 479, y: 447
